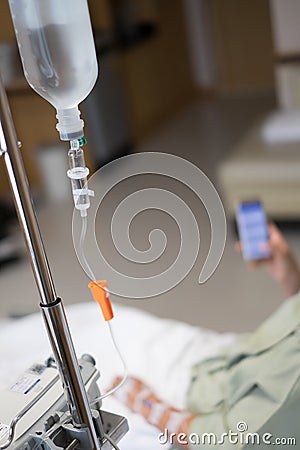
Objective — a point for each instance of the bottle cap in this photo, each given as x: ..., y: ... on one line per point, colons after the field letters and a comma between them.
x: 69, y: 125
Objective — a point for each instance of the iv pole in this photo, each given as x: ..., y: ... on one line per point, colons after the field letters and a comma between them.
x: 51, y: 305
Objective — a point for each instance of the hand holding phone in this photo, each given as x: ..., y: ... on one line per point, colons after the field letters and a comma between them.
x: 253, y: 230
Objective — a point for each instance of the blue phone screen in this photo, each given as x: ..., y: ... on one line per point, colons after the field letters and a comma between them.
x: 252, y: 224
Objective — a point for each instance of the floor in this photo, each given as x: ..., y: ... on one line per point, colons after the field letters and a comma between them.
x: 232, y: 299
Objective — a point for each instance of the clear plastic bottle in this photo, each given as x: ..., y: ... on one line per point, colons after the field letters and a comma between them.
x: 58, y: 55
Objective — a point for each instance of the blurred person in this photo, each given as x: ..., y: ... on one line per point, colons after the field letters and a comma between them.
x: 254, y: 382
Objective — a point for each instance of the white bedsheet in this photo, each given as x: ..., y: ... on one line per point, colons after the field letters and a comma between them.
x: 159, y: 351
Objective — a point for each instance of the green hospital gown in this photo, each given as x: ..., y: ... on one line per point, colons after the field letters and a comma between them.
x: 255, y: 385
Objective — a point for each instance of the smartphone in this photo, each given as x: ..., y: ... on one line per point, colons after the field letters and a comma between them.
x: 253, y: 230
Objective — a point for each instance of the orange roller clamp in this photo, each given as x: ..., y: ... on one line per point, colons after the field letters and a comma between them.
x: 101, y: 295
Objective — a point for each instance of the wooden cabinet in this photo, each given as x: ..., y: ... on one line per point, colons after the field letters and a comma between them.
x: 243, y: 37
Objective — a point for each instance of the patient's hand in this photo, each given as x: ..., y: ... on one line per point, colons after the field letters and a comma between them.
x: 134, y: 394
x: 282, y: 265
x: 139, y: 398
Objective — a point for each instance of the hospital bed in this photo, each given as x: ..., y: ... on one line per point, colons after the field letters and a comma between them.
x: 158, y: 351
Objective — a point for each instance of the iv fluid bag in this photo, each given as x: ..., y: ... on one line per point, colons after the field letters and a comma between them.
x: 57, y: 49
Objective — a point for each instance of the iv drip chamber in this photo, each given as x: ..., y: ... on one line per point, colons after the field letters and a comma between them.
x: 57, y: 50
x: 78, y: 173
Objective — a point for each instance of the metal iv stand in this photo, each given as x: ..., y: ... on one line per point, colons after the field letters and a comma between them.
x: 51, y: 305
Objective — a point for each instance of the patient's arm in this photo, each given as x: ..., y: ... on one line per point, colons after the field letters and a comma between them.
x: 140, y: 399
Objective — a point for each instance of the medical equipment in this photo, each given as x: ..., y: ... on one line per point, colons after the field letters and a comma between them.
x: 58, y: 57
x: 78, y: 174
x: 40, y: 415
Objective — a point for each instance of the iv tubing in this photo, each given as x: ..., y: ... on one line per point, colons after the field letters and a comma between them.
x: 90, y: 274
x: 111, y: 441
